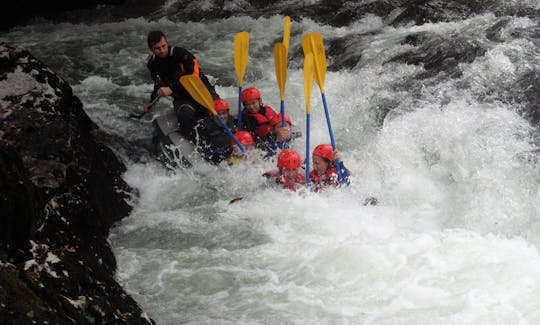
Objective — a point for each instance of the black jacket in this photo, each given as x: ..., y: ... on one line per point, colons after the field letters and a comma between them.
x: 167, y: 72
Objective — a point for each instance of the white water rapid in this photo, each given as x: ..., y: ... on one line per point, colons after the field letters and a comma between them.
x: 453, y: 240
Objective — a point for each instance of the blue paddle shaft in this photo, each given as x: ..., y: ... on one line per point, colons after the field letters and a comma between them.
x: 338, y: 165
x: 220, y: 120
x: 282, y: 110
x: 307, y: 149
x: 239, y: 108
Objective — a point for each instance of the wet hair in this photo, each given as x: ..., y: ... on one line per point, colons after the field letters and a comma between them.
x: 154, y: 37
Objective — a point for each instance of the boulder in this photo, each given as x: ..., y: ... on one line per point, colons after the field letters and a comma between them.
x: 24, y: 10
x: 60, y: 192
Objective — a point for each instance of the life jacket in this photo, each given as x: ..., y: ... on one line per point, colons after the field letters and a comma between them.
x: 261, y: 120
x: 329, y: 178
x: 292, y: 185
x: 298, y: 181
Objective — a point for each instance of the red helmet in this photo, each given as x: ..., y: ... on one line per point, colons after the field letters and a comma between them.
x: 277, y: 119
x: 244, y: 137
x: 325, y: 151
x: 250, y: 94
x: 289, y: 158
x: 221, y: 105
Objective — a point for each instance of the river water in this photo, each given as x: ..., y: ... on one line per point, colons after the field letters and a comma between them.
x: 449, y: 152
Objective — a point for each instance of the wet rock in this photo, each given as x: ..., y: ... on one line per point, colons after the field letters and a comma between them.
x: 343, y: 53
x: 60, y: 192
x: 24, y: 10
x: 526, y: 91
x: 438, y: 55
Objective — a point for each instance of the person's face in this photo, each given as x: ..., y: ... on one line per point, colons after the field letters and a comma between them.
x: 319, y: 165
x: 289, y: 173
x: 161, y: 48
x: 252, y: 106
x: 224, y: 114
x: 278, y: 126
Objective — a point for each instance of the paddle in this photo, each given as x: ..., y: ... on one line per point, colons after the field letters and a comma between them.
x: 286, y: 33
x: 152, y: 103
x: 280, y: 59
x: 241, y: 54
x: 284, y: 63
x: 196, y: 88
x: 313, y: 43
x: 308, y: 83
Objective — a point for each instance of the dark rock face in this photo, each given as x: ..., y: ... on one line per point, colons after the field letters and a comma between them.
x: 60, y: 192
x: 23, y: 10
x: 438, y: 55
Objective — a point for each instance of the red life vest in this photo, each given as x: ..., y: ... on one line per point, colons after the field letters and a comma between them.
x: 262, y: 121
x: 299, y: 179
x: 329, y: 178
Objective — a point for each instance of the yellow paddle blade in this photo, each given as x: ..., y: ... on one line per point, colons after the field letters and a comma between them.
x: 313, y: 43
x: 286, y: 33
x: 196, y: 88
x: 280, y: 61
x: 241, y: 54
x: 308, y: 80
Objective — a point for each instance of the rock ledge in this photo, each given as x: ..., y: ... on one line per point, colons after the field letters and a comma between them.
x: 60, y: 192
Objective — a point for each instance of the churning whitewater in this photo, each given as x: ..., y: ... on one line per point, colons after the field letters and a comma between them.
x: 449, y: 152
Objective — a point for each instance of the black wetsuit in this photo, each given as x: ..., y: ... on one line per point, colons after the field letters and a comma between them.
x: 212, y: 140
x: 167, y: 72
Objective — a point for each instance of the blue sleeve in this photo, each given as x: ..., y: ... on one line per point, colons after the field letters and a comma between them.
x: 345, y: 174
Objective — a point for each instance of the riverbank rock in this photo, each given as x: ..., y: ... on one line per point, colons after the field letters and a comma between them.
x: 60, y: 192
x: 24, y: 10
